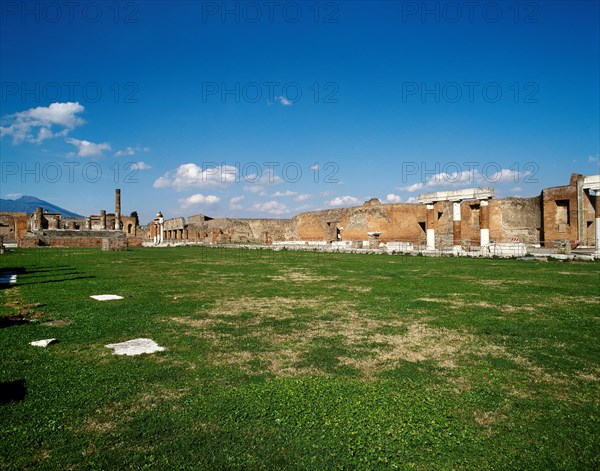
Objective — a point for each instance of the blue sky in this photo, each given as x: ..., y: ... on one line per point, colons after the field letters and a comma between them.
x: 267, y: 109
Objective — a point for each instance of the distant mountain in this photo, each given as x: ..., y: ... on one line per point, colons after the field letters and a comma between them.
x: 27, y: 204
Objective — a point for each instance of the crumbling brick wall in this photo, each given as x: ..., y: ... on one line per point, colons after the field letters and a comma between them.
x: 68, y: 238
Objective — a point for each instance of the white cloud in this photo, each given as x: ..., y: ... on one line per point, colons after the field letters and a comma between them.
x: 192, y: 176
x: 302, y: 197
x: 37, y: 124
x: 234, y: 203
x: 413, y: 187
x: 470, y: 177
x: 284, y: 101
x: 13, y: 196
x: 87, y: 148
x: 256, y: 189
x: 343, y: 201
x: 284, y: 193
x: 131, y: 151
x: 593, y: 160
x: 412, y: 199
x: 507, y: 175
x: 198, y: 199
x: 271, y: 207
x: 142, y: 166
x: 392, y: 198
x: 314, y: 167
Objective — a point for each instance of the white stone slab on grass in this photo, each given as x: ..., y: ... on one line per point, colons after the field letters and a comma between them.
x: 135, y: 347
x: 106, y: 297
x: 8, y: 278
x: 42, y: 343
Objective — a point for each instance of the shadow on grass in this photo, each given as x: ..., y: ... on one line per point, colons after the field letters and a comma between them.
x: 58, y: 281
x: 62, y: 272
x: 12, y: 391
x: 11, y: 321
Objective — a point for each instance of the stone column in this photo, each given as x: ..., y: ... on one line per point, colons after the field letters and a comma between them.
x: 88, y: 223
x: 456, y: 221
x: 103, y: 219
x: 484, y: 223
x: 597, y: 222
x: 117, y: 209
x: 37, y: 223
x: 430, y: 227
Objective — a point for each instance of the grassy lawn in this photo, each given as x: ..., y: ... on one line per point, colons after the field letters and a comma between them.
x: 290, y: 360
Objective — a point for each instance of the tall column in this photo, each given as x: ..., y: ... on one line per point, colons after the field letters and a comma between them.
x: 597, y: 222
x: 484, y: 223
x: 117, y: 209
x: 456, y: 233
x: 430, y: 227
x: 38, y: 219
x: 103, y: 219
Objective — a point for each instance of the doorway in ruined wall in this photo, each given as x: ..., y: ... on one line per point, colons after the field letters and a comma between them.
x: 334, y: 232
x: 423, y: 235
x: 563, y: 215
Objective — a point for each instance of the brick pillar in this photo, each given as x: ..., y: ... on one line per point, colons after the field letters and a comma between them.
x: 430, y: 227
x: 484, y: 223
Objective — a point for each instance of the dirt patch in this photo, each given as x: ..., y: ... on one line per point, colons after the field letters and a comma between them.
x: 20, y: 309
x: 275, y: 335
x: 98, y: 426
x: 419, y: 343
x: 454, y: 302
x: 301, y: 276
x: 57, y: 323
x: 359, y: 289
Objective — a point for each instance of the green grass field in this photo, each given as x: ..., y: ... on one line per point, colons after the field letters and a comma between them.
x: 290, y: 360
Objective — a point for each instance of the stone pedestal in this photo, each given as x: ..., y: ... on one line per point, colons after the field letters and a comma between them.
x: 430, y: 227
x: 484, y: 223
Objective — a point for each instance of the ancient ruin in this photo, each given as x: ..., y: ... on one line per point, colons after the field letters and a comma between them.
x: 46, y: 229
x: 458, y: 222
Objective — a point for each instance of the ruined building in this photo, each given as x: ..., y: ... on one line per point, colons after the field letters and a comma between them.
x: 456, y: 221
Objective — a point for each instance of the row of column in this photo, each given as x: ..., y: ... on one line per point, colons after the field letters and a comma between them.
x: 176, y: 234
x: 484, y: 225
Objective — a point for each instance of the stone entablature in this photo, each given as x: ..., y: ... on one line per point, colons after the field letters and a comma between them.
x: 457, y: 195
